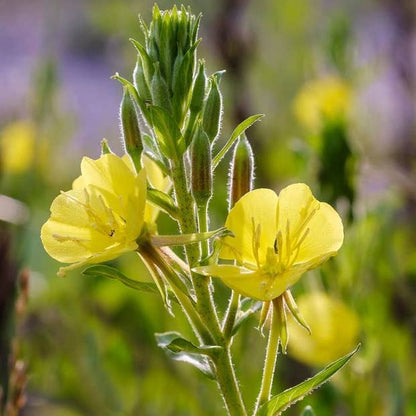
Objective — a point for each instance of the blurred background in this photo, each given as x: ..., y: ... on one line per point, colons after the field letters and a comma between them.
x: 337, y: 82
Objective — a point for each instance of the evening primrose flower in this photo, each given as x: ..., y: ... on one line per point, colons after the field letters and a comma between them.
x: 17, y: 147
x: 334, y: 330
x: 276, y: 240
x: 327, y: 98
x: 100, y: 218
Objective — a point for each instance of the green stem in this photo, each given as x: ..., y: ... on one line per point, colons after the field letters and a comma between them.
x: 157, y: 261
x: 203, y: 228
x: 230, y: 315
x: 227, y: 382
x: 270, y: 360
x: 187, y: 222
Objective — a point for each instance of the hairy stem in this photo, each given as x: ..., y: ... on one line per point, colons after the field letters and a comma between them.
x: 228, y: 385
x: 270, y: 360
x: 188, y: 224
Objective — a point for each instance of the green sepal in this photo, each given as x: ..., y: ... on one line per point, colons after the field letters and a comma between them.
x: 147, y: 63
x: 180, y: 349
x: 294, y: 310
x: 277, y: 404
x: 240, y: 129
x: 102, y: 270
x: 169, y: 138
x: 184, y: 239
x: 105, y: 148
x: 164, y: 201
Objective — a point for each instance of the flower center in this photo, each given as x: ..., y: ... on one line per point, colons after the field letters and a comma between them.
x: 286, y: 246
x: 102, y: 218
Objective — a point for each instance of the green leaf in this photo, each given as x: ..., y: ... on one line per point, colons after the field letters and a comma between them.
x: 277, y: 404
x: 180, y: 349
x: 164, y: 201
x: 241, y: 128
x: 182, y: 239
x: 102, y: 270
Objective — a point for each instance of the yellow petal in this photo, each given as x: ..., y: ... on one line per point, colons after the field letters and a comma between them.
x: 325, y: 237
x: 155, y: 175
x: 315, y: 229
x: 109, y: 172
x: 254, y: 211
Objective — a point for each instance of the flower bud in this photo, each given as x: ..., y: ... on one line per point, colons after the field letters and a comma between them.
x: 198, y: 92
x: 160, y: 91
x: 130, y: 128
x: 201, y: 175
x: 212, y: 110
x: 241, y: 171
x: 140, y: 82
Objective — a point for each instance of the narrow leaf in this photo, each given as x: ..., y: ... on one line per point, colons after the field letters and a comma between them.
x: 277, y: 404
x: 180, y: 349
x: 102, y: 270
x: 182, y: 239
x: 163, y: 201
x: 241, y: 128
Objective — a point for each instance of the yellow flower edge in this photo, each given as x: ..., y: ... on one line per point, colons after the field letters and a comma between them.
x: 276, y: 240
x: 334, y: 330
x: 100, y: 218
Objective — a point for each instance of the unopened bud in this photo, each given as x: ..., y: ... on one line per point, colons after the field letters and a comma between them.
x: 198, y: 93
x: 212, y: 111
x: 160, y: 91
x: 140, y: 82
x: 130, y: 128
x: 201, y: 175
x: 241, y: 171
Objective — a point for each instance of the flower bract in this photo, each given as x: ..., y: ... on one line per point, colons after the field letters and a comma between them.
x: 100, y: 217
x: 276, y: 240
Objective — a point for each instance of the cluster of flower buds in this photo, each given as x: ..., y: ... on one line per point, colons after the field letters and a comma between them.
x: 170, y: 92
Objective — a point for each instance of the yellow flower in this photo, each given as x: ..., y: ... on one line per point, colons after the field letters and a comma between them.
x: 100, y: 218
x: 17, y: 147
x: 324, y: 99
x: 334, y: 330
x: 276, y: 240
